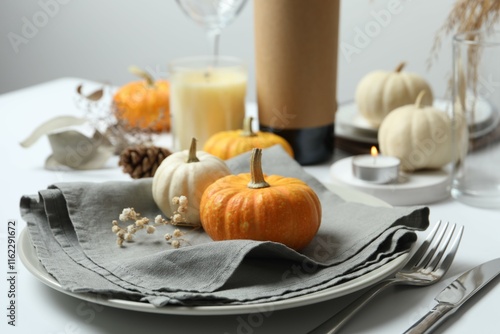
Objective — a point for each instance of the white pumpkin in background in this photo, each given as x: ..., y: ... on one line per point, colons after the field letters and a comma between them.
x: 186, y: 173
x: 421, y: 136
x: 380, y: 92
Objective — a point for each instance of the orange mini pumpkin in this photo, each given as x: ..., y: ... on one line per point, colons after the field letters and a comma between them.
x: 228, y: 144
x: 144, y: 104
x: 247, y: 206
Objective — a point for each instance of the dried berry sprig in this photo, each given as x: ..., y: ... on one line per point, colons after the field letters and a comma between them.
x: 129, y: 214
x: 178, y: 216
x: 175, y: 238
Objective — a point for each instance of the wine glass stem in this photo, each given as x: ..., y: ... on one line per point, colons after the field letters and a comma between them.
x: 214, y: 38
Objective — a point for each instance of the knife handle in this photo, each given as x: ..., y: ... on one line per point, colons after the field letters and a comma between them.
x: 431, y: 320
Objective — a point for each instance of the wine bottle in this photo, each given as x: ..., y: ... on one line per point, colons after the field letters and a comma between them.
x: 296, y: 43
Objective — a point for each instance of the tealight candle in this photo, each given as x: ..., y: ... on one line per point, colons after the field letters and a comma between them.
x: 376, y: 168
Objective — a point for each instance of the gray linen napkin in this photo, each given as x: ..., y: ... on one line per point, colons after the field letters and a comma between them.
x: 70, y: 226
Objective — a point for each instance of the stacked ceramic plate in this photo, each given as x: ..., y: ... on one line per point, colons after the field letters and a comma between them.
x: 351, y: 126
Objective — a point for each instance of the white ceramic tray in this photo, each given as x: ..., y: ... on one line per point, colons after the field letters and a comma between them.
x: 421, y: 187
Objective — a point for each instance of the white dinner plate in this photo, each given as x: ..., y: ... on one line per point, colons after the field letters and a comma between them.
x: 347, y: 133
x: 27, y: 254
x: 349, y: 119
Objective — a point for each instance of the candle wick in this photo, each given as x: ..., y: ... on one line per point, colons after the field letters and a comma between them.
x: 208, y: 73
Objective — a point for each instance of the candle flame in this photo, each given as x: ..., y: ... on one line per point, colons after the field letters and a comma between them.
x: 374, y: 151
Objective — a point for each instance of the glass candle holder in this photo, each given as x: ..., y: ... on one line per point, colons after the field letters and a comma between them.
x: 207, y: 96
x: 476, y: 118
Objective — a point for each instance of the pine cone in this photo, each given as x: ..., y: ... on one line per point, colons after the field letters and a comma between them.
x: 141, y: 160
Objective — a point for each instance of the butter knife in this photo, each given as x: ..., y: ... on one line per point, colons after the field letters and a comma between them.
x: 455, y: 295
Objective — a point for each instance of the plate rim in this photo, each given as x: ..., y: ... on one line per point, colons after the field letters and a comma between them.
x: 28, y: 257
x: 345, y: 126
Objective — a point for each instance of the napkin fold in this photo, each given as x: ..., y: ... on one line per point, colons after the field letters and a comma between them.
x: 70, y: 227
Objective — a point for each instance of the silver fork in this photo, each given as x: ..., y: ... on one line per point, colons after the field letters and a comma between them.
x: 428, y: 265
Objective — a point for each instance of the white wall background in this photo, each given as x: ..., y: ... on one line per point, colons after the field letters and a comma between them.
x: 99, y: 39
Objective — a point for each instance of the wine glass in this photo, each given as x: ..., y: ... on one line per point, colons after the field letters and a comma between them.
x: 213, y: 15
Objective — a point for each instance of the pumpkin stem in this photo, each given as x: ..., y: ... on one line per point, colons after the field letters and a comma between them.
x: 400, y: 67
x: 192, y: 152
x: 418, y: 101
x: 247, y: 128
x: 256, y: 174
x: 142, y: 74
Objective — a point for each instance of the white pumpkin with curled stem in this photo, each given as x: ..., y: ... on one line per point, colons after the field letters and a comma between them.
x: 186, y: 173
x: 380, y: 92
x: 421, y: 136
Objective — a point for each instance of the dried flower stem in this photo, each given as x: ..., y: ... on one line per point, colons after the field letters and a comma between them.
x: 466, y: 15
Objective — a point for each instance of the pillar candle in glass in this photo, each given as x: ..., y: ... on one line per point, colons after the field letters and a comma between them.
x: 207, y: 96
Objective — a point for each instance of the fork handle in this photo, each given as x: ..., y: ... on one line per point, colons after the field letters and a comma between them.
x: 334, y: 323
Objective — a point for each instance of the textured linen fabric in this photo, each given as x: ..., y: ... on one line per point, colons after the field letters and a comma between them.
x: 70, y: 227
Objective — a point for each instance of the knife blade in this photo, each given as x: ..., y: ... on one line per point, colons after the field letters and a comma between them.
x: 455, y: 295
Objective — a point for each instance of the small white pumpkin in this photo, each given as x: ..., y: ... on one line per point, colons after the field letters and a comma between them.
x: 380, y: 92
x: 186, y: 173
x: 420, y: 136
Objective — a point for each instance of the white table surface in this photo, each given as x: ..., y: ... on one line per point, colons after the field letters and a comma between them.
x: 43, y: 310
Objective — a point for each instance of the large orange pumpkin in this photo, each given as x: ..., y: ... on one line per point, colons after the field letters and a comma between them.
x: 144, y: 104
x: 228, y: 144
x: 247, y: 206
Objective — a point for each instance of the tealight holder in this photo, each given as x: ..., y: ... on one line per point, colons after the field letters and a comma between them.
x: 380, y: 176
x: 375, y: 168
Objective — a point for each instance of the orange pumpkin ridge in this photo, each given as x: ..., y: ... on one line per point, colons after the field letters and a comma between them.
x: 228, y: 144
x: 287, y: 211
x: 144, y: 104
